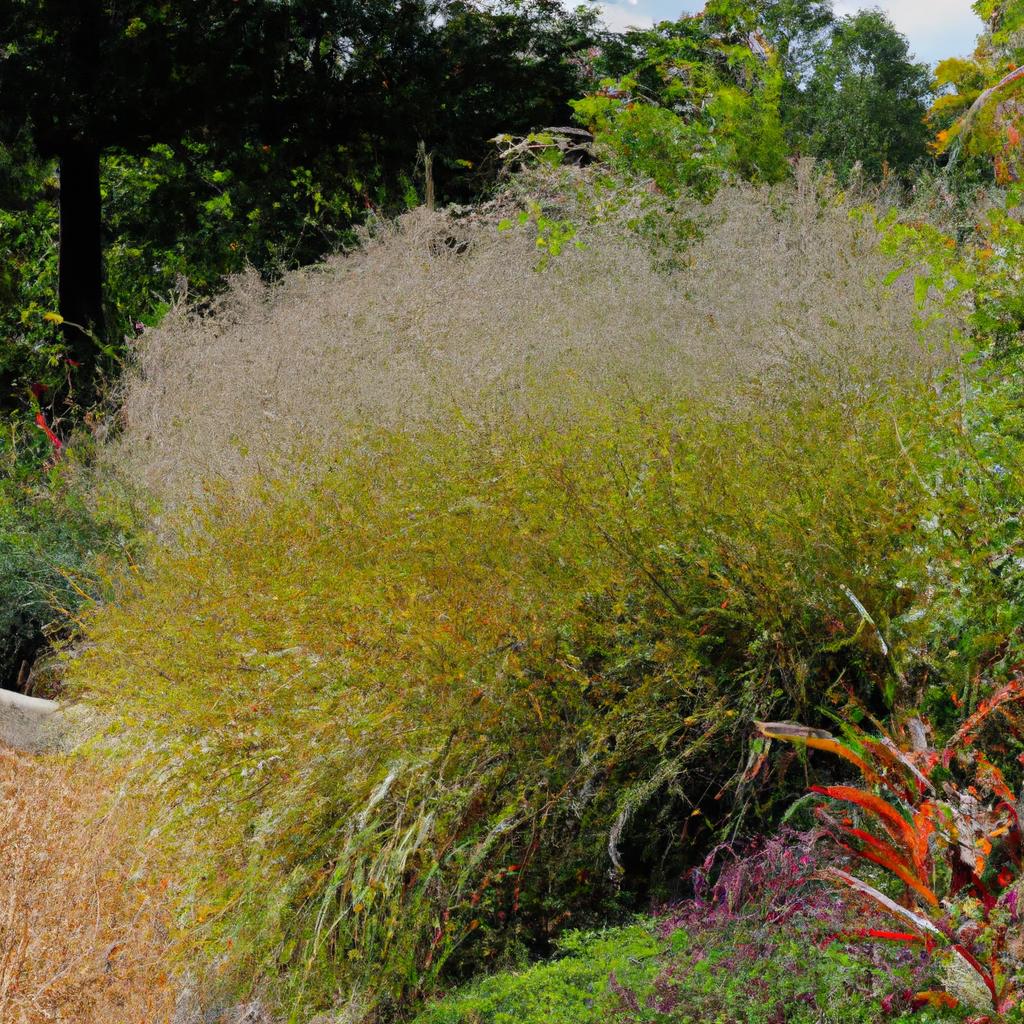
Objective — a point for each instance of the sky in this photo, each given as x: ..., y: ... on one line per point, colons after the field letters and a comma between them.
x: 935, y: 28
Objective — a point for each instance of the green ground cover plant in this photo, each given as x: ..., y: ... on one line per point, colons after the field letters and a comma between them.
x: 574, y: 988
x: 761, y: 940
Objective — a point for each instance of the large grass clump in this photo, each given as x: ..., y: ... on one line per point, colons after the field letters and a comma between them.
x: 467, y: 687
x: 474, y: 578
x: 437, y: 313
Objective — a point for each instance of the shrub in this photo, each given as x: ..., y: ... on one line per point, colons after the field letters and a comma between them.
x: 944, y: 823
x: 54, y: 537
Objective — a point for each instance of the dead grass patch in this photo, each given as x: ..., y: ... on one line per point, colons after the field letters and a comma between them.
x: 82, y: 935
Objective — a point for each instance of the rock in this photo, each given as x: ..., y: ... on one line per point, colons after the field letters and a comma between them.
x: 35, y: 725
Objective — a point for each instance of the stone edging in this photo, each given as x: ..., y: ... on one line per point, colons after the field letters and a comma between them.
x: 36, y: 726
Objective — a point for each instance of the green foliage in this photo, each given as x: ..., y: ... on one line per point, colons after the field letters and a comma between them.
x: 693, y: 102
x: 552, y: 235
x: 747, y: 969
x: 865, y: 102
x: 1004, y: 16
x: 572, y: 989
x: 53, y: 542
x: 736, y: 89
x: 799, y: 30
x: 30, y: 349
x: 972, y: 619
x: 653, y: 142
x: 195, y: 212
x: 978, y: 283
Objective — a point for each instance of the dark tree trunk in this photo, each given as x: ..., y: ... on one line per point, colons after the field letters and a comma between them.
x: 81, y: 259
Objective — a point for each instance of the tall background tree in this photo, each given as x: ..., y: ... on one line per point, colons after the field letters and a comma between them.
x: 799, y: 31
x: 82, y: 77
x: 691, y: 102
x: 866, y: 99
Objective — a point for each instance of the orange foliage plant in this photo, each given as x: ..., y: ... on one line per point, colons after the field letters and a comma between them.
x: 943, y: 827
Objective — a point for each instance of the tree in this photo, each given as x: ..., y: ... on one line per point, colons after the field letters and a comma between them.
x: 799, y: 31
x: 507, y: 67
x: 691, y: 102
x: 85, y: 76
x: 978, y: 115
x: 866, y: 99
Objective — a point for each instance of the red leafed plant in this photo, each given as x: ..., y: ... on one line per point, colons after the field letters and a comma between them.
x: 45, y: 428
x: 945, y: 825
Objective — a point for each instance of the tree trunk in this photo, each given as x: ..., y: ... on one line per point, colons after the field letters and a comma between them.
x: 81, y: 259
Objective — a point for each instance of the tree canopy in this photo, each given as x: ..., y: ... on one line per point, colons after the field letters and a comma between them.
x: 978, y: 114
x: 866, y: 99
x: 688, y: 101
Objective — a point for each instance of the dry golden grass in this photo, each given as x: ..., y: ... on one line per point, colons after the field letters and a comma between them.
x: 82, y: 938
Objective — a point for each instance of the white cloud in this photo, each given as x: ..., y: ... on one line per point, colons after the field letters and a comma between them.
x: 935, y: 28
x: 619, y: 17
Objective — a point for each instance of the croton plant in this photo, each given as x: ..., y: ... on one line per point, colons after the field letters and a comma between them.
x: 942, y: 829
